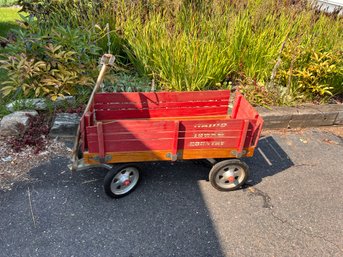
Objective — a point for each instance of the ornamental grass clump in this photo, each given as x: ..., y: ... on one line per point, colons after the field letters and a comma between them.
x: 276, y: 52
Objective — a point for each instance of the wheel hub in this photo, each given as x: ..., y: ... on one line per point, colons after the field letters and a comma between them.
x: 231, y: 179
x: 127, y: 182
x: 229, y: 176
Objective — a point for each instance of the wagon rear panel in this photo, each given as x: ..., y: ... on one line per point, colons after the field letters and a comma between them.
x: 114, y: 106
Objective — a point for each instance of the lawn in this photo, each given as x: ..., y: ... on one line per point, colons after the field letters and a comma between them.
x: 8, y: 17
x: 7, y: 2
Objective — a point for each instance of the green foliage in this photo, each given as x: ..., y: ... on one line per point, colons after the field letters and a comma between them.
x: 127, y: 82
x: 181, y: 54
x: 3, y: 109
x: 8, y: 17
x: 7, y: 2
x: 57, y: 76
x: 50, y: 65
x: 257, y: 93
x: 310, y: 74
x: 196, y: 45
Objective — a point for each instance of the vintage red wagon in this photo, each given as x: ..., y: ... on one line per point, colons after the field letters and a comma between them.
x: 127, y: 128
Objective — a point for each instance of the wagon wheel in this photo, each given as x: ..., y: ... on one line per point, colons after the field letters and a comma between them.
x: 229, y: 175
x: 121, y: 180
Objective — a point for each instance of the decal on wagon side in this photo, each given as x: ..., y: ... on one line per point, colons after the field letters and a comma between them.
x: 206, y: 135
x: 211, y: 125
x: 201, y: 143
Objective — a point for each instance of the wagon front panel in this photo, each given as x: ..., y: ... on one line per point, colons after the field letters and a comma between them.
x: 214, y: 139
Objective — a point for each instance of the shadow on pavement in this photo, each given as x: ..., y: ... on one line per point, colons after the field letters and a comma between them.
x: 165, y: 216
x: 68, y: 214
x: 268, y: 160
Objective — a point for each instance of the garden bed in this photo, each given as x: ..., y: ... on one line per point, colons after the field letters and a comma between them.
x: 14, y: 166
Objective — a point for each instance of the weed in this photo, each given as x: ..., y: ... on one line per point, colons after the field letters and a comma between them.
x: 34, y: 135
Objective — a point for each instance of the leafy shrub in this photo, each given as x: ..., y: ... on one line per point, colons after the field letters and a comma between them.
x: 55, y: 77
x: 51, y: 65
x: 310, y: 74
x: 52, y: 13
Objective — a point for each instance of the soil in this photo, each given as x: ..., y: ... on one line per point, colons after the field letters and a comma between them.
x: 338, y: 99
x: 14, y: 167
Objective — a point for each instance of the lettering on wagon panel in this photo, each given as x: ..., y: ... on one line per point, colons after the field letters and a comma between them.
x: 206, y: 135
x: 211, y: 125
x: 200, y: 143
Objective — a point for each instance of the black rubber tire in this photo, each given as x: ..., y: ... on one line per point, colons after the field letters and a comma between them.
x: 112, y: 173
x: 218, y: 166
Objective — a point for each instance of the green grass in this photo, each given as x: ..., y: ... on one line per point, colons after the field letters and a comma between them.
x: 7, y: 2
x: 8, y: 17
x: 199, y: 45
x: 197, y: 49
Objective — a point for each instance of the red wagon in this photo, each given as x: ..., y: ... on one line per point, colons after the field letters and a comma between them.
x: 127, y: 128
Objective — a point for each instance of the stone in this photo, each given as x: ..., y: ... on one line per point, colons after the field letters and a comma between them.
x: 303, y: 116
x: 65, y: 125
x: 9, y: 123
x: 278, y: 117
x: 339, y: 118
x: 40, y: 104
x: 315, y: 116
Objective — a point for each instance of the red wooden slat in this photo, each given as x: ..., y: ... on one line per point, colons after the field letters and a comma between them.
x: 249, y: 134
x: 88, y: 119
x: 236, y: 106
x: 134, y: 145
x: 139, y: 114
x: 161, y: 105
x: 209, y: 134
x: 140, y: 135
x: 101, y: 143
x: 243, y: 136
x: 244, y: 110
x: 175, y: 141
x: 164, y: 144
x: 83, y: 132
x: 134, y: 125
x: 161, y: 96
x: 151, y: 125
x: 200, y: 125
x: 208, y: 143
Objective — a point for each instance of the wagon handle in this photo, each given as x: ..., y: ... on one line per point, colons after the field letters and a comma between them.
x: 107, y: 60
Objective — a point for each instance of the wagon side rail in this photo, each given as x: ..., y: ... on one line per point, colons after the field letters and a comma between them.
x: 242, y: 109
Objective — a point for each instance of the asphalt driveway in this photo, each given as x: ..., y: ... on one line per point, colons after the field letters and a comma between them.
x: 292, y: 206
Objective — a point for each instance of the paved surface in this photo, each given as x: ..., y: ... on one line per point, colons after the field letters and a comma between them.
x: 293, y: 207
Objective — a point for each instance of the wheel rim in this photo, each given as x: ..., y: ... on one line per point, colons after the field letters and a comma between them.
x: 230, y: 176
x: 124, y: 180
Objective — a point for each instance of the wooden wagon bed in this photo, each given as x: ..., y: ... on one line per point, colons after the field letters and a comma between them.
x: 136, y: 127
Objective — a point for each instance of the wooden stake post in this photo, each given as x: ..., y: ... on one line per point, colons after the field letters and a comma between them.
x: 107, y: 60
